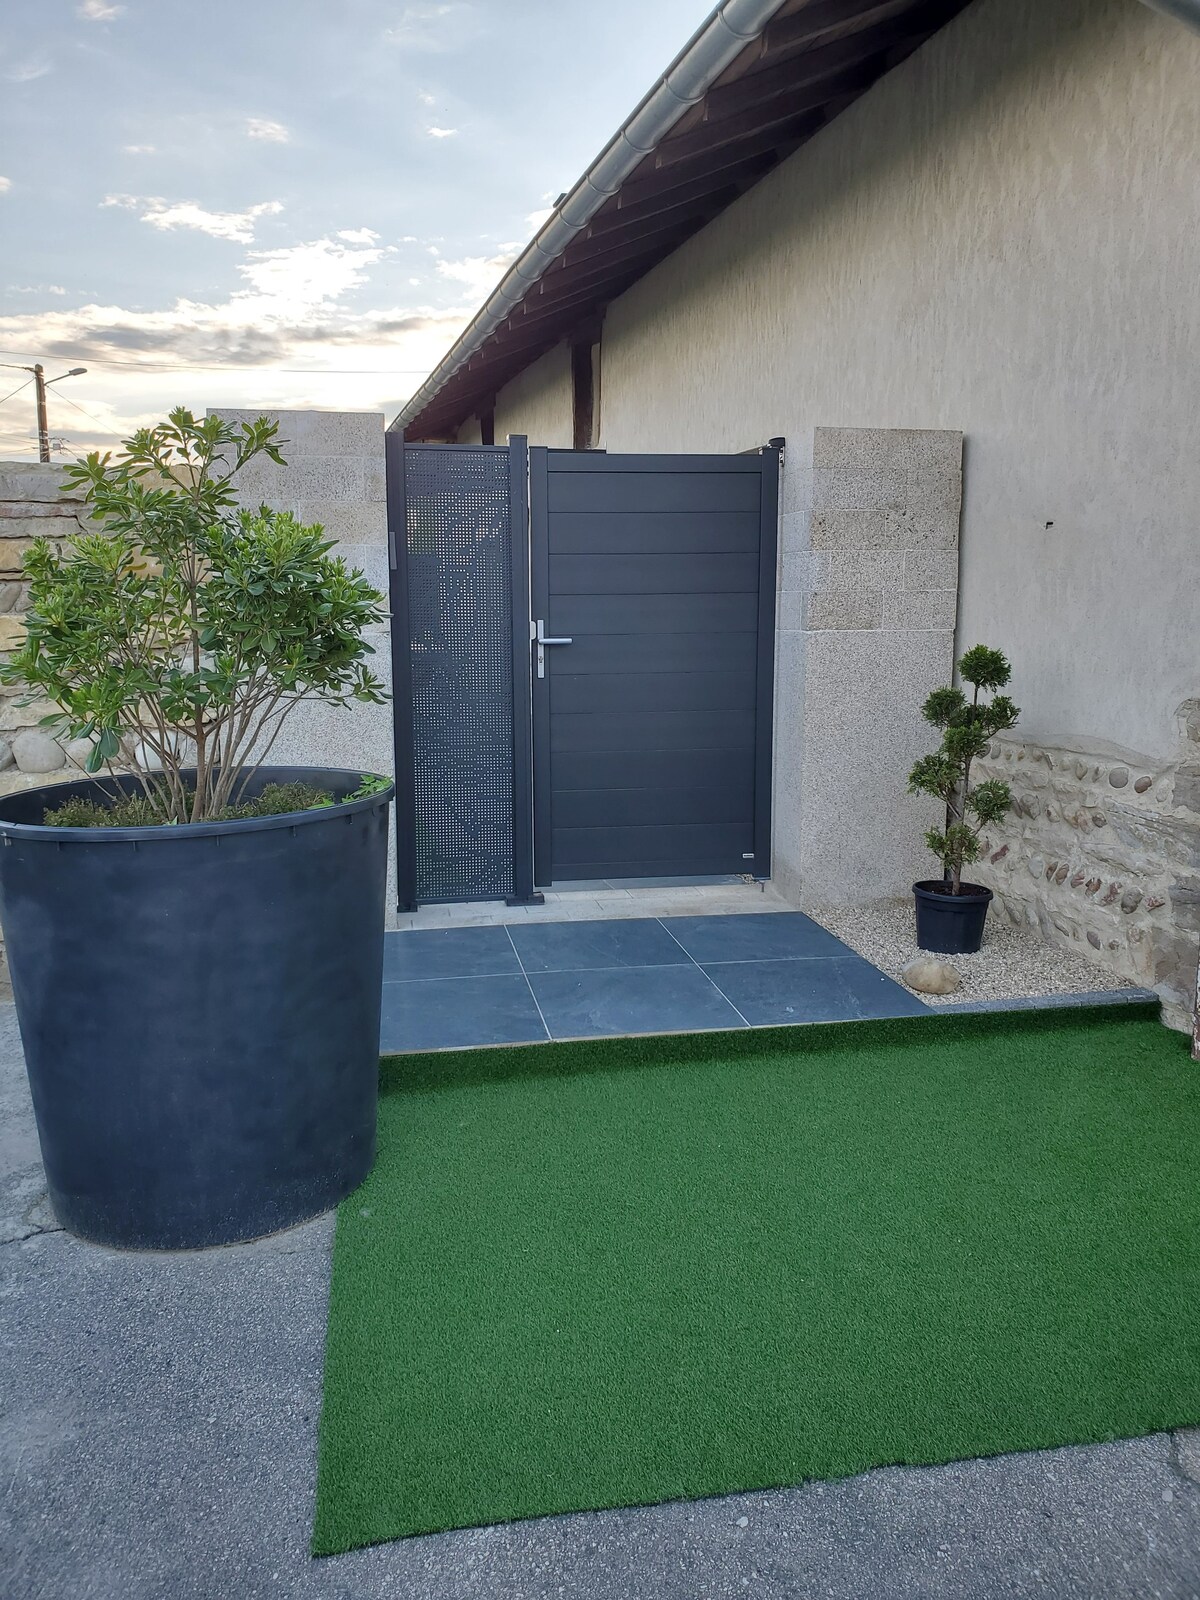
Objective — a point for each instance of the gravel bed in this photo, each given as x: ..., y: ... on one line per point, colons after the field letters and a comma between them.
x: 1014, y: 963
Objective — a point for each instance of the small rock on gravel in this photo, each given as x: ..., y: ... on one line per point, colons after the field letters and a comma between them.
x: 928, y: 975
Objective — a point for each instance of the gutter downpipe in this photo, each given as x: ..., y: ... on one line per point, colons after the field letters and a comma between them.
x: 733, y: 25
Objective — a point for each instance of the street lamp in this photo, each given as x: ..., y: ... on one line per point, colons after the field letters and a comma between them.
x: 43, y: 383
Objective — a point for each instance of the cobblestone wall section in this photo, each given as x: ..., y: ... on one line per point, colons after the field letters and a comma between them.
x: 1101, y: 853
x: 34, y: 502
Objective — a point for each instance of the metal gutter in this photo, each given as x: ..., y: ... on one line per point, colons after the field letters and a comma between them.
x: 1185, y: 11
x: 733, y: 25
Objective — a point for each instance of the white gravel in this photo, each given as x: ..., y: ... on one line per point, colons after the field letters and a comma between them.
x: 1014, y: 963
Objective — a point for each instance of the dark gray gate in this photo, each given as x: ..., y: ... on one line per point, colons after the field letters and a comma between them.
x: 653, y: 583
x: 461, y: 674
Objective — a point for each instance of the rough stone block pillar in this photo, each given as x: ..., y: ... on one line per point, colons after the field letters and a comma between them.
x: 868, y: 593
x: 334, y: 475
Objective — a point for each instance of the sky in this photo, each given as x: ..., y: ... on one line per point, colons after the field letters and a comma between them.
x: 285, y: 203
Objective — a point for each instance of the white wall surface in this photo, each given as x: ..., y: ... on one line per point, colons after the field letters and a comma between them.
x: 1002, y: 237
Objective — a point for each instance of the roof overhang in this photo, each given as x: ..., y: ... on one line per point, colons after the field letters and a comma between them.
x: 757, y: 81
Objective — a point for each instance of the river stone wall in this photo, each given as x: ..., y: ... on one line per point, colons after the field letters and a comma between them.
x: 1101, y: 853
x: 34, y: 501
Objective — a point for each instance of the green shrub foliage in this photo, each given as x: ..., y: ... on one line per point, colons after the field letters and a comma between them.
x: 137, y: 810
x: 184, y: 633
x: 968, y: 725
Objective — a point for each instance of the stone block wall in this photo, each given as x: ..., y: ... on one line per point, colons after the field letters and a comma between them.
x: 34, y: 502
x: 1101, y: 854
x: 868, y: 586
x: 334, y: 475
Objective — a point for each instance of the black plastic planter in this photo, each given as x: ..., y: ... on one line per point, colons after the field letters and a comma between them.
x: 200, y: 1011
x: 951, y: 924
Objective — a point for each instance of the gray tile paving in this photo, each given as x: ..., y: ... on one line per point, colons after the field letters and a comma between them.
x: 569, y: 946
x: 833, y: 989
x: 631, y: 1000
x: 458, y: 1013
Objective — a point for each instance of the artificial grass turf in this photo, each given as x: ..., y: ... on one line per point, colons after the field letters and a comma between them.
x: 624, y: 1271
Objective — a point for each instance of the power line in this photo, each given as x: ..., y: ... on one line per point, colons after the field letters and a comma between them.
x: 83, y: 411
x: 17, y: 390
x: 234, y: 366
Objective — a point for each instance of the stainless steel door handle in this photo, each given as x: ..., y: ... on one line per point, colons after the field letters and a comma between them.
x: 542, y: 642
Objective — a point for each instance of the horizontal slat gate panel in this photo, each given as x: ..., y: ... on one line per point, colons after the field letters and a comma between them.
x: 601, y: 808
x: 651, y: 567
x: 652, y: 613
x: 723, y: 841
x: 597, y: 461
x: 651, y: 769
x: 660, y: 652
x: 687, y: 867
x: 612, y: 533
x: 653, y: 691
x: 653, y: 730
x: 637, y: 491
x: 653, y: 574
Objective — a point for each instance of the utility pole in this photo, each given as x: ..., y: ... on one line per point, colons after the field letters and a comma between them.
x: 42, y: 383
x: 39, y: 378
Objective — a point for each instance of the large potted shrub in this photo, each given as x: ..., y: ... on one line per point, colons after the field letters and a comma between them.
x: 950, y: 911
x: 195, y: 937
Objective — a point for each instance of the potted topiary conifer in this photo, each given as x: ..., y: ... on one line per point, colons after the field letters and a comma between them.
x: 951, y: 913
x: 195, y: 937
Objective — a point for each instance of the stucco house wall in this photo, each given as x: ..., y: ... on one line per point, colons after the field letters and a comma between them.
x: 1002, y: 237
x: 538, y: 402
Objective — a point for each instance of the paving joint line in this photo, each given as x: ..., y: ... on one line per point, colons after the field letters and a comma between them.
x: 745, y: 1021
x: 529, y: 986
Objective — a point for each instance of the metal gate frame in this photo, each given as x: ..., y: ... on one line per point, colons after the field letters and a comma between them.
x: 770, y: 457
x: 402, y: 679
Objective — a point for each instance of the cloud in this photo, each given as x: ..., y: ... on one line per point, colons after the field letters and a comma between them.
x: 36, y: 288
x: 479, y: 275
x: 138, y: 149
x: 425, y: 27
x: 5, y: 185
x: 441, y: 133
x: 98, y: 11
x: 263, y: 128
x: 237, y: 226
x: 28, y: 71
x: 288, y: 339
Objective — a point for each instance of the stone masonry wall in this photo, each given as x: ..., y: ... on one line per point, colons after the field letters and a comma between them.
x: 1101, y: 853
x: 33, y: 502
x: 335, y: 475
x: 868, y: 588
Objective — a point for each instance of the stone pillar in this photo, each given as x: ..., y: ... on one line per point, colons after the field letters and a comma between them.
x: 868, y: 592
x: 334, y: 475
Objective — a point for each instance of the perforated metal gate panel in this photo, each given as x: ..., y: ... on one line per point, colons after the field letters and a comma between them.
x: 460, y: 617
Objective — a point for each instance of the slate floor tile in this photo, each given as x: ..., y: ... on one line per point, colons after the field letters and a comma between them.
x: 841, y: 989
x: 567, y: 946
x: 458, y: 1013
x: 627, y: 1000
x: 756, y: 936
x: 448, y: 953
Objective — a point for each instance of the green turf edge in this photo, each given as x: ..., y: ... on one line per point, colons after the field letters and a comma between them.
x: 431, y: 1070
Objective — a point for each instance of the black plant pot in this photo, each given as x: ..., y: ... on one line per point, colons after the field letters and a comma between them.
x: 951, y: 924
x: 200, y: 1011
